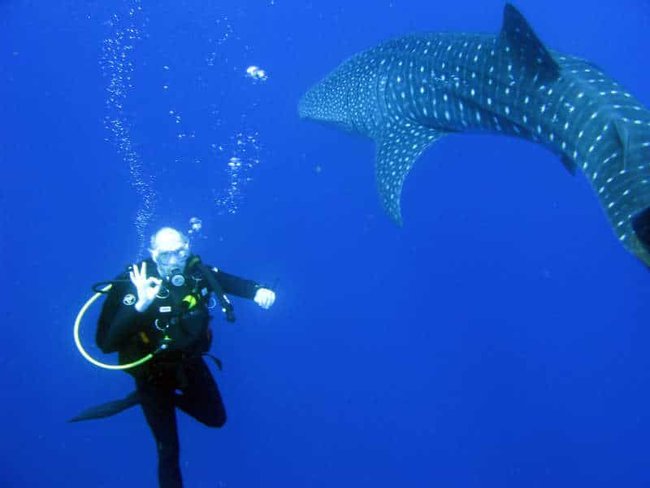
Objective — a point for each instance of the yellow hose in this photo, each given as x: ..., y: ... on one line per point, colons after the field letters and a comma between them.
x: 89, y: 358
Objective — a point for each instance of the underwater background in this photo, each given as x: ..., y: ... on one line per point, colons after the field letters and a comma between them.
x: 498, y: 339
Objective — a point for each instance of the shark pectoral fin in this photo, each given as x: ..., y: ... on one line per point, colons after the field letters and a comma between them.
x: 526, y: 48
x: 641, y: 226
x: 569, y: 164
x: 624, y: 138
x: 397, y: 150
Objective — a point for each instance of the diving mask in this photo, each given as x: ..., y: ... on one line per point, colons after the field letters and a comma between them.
x: 171, y: 264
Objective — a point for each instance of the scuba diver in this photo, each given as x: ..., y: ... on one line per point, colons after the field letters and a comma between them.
x: 156, y: 316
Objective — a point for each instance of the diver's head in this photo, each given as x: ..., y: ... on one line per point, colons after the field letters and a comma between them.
x: 169, y: 250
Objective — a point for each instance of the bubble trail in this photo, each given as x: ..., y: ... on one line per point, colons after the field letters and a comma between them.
x: 126, y: 30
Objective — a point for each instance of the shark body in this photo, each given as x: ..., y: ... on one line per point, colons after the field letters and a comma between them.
x: 408, y: 92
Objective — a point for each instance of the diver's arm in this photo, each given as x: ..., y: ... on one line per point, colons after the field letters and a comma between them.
x: 234, y: 285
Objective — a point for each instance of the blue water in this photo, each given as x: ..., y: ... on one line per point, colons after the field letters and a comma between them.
x: 498, y: 339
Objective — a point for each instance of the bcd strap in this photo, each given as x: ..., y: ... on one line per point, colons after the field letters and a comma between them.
x: 226, y: 306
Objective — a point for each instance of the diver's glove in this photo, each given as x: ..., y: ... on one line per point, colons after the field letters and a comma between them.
x: 264, y: 297
x: 147, y: 288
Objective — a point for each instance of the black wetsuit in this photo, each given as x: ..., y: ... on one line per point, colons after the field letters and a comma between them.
x: 177, y: 376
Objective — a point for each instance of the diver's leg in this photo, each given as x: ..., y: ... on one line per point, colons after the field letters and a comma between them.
x: 200, y: 397
x: 159, y: 410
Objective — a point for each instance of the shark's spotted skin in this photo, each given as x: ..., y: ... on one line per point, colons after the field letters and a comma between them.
x: 408, y: 92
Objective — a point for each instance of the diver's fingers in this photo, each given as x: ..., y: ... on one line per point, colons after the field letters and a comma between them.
x: 134, y: 275
x: 139, y: 275
x: 153, y: 282
x: 153, y: 286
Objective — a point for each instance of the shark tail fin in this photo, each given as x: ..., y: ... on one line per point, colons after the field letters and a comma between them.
x: 525, y: 47
x: 107, y: 409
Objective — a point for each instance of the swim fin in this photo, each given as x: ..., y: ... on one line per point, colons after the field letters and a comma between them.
x: 108, y: 409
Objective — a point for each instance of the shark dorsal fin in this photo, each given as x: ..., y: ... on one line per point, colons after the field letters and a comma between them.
x: 525, y: 47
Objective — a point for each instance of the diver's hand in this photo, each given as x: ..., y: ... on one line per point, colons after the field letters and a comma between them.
x: 264, y: 297
x: 147, y: 288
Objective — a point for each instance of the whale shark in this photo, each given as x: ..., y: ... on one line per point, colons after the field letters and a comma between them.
x: 407, y: 93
